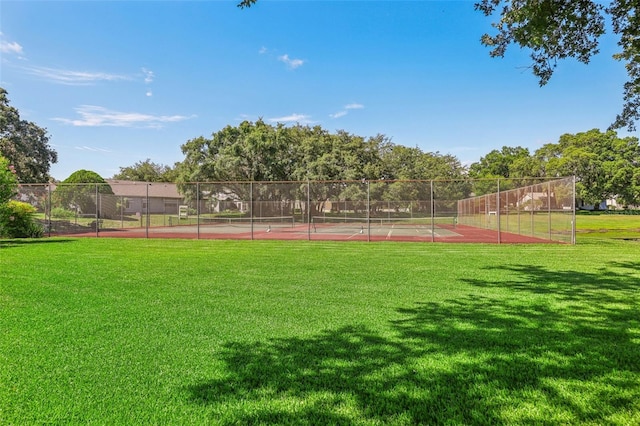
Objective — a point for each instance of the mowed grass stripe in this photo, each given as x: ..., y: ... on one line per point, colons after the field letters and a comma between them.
x: 113, y: 331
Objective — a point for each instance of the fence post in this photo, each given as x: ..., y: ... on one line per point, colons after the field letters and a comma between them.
x: 498, y: 224
x: 432, y: 210
x: 146, y: 224
x: 519, y: 207
x: 573, y: 209
x: 49, y: 207
x: 251, y: 207
x: 308, y: 209
x: 97, y: 216
x: 368, y: 212
x: 198, y: 210
x: 549, y: 208
x: 531, y: 195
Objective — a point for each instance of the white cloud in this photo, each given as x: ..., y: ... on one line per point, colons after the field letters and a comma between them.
x: 263, y: 50
x: 74, y: 77
x: 293, y: 118
x: 96, y: 116
x: 338, y: 114
x: 346, y: 110
x: 149, y: 93
x: 9, y: 47
x: 148, y: 75
x: 291, y: 63
x: 354, y: 106
x: 92, y: 149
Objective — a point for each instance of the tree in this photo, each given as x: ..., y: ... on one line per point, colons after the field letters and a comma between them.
x: 239, y: 155
x: 499, y: 164
x: 147, y: 171
x: 605, y: 165
x: 412, y: 164
x: 83, y: 191
x: 262, y: 152
x: 508, y: 164
x: 8, y: 181
x: 557, y: 29
x: 24, y: 144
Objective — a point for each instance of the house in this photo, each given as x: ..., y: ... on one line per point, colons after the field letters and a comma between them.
x: 537, y: 201
x: 147, y: 197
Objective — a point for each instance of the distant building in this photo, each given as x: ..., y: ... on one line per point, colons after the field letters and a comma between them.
x: 147, y: 197
x: 537, y: 201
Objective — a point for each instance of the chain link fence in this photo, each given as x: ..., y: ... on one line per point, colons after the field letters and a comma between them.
x: 491, y: 211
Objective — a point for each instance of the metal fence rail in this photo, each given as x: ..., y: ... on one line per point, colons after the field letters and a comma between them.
x: 497, y: 211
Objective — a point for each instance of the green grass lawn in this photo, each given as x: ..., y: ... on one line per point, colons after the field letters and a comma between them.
x: 116, y: 331
x: 598, y: 226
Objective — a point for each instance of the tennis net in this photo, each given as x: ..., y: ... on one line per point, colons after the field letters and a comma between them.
x: 245, y: 222
x: 358, y: 223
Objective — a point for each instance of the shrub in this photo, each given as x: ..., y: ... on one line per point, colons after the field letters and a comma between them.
x: 17, y: 221
x: 62, y: 213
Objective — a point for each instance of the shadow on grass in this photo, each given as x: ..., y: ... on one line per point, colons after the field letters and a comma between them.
x: 23, y: 242
x: 473, y: 360
x: 613, y: 282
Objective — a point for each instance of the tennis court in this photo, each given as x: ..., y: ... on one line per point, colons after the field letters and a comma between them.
x: 443, y: 229
x: 513, y: 211
x: 424, y: 228
x: 321, y: 228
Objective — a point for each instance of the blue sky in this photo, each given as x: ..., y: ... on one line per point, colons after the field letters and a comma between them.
x: 118, y: 82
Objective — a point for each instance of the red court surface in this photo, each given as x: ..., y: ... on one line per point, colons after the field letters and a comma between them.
x: 441, y: 233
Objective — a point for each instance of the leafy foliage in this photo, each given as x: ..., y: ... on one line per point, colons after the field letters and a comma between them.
x: 17, y: 221
x: 501, y: 164
x: 261, y: 152
x: 246, y: 3
x: 62, y: 213
x: 8, y: 180
x: 16, y: 218
x: 25, y: 144
x: 605, y: 166
x: 147, y: 171
x: 81, y: 196
x: 556, y: 29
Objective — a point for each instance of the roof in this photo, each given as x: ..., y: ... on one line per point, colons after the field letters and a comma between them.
x: 125, y: 188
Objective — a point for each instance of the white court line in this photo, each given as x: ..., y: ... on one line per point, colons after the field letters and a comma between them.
x: 360, y: 232
x: 390, y: 231
x: 429, y: 231
x: 354, y: 235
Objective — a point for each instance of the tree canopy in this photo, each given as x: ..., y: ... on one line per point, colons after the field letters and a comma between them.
x: 508, y: 162
x: 81, y: 196
x: 24, y: 144
x: 605, y: 165
x: 147, y: 171
x: 262, y: 152
x: 557, y: 29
